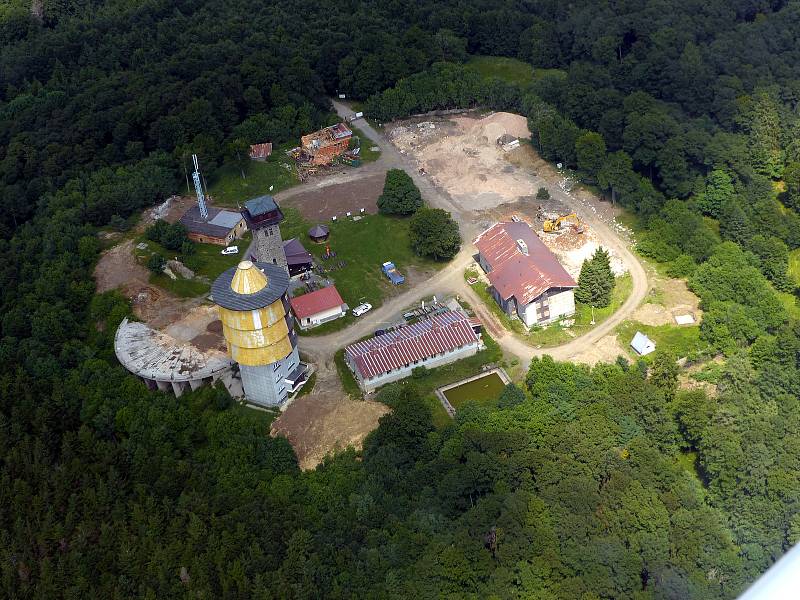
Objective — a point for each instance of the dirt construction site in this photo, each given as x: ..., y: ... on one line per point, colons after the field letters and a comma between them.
x: 466, y: 157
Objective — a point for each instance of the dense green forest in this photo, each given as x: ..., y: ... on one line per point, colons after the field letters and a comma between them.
x: 577, y: 487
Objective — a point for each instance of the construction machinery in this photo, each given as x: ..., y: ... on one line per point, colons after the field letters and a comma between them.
x: 554, y: 225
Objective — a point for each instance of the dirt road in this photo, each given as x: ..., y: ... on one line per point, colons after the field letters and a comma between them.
x: 451, y: 279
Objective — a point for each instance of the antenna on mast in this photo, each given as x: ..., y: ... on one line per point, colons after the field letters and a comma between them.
x: 201, y: 198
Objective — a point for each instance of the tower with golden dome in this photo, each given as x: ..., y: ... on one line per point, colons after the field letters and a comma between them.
x: 259, y: 330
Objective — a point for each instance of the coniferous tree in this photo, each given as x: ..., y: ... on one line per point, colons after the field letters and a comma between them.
x: 596, y: 280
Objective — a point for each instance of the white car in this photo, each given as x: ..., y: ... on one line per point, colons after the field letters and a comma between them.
x: 361, y: 309
x: 231, y: 250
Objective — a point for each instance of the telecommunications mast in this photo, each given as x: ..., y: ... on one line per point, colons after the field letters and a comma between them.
x: 201, y: 198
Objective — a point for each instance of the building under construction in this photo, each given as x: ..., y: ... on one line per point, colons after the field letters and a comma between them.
x: 321, y: 147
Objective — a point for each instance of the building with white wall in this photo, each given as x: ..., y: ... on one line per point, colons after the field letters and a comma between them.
x: 318, y: 307
x: 434, y: 342
x: 527, y: 281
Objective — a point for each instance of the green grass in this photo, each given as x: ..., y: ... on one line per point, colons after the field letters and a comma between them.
x: 365, y: 153
x: 308, y: 387
x: 364, y: 245
x: 688, y: 460
x: 263, y: 418
x: 180, y: 287
x: 680, y: 340
x: 710, y: 373
x: 794, y: 266
x: 346, y: 376
x: 207, y: 262
x: 227, y: 187
x: 507, y: 69
x: 790, y: 304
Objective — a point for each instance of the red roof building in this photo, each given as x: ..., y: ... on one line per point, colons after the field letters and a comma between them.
x: 433, y: 342
x: 525, y: 276
x: 260, y: 151
x: 321, y: 147
x: 318, y: 307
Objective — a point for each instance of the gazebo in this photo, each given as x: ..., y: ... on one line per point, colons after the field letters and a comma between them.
x: 319, y: 233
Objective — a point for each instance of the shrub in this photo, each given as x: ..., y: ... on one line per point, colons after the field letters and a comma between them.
x: 156, y: 263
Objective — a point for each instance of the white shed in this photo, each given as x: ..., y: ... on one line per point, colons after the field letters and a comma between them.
x: 642, y: 344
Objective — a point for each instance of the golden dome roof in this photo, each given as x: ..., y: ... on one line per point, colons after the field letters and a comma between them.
x: 248, y: 279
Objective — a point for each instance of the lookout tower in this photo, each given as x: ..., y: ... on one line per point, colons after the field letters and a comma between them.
x: 263, y: 216
x: 259, y: 330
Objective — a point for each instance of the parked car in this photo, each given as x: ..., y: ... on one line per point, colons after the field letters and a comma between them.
x: 361, y: 309
x: 380, y: 332
x: 231, y: 250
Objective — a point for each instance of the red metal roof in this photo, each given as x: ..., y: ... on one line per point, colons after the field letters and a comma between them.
x: 261, y: 150
x: 316, y: 302
x: 514, y: 273
x: 395, y: 349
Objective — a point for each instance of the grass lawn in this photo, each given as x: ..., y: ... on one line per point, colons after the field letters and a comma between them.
x: 365, y: 153
x: 507, y: 69
x: 346, y: 376
x: 207, y: 262
x: 688, y: 460
x: 789, y: 303
x: 794, y: 266
x: 364, y: 245
x: 227, y: 187
x: 263, y: 418
x: 180, y: 287
x: 680, y: 340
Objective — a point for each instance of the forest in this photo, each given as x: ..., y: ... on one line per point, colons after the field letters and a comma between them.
x: 577, y: 486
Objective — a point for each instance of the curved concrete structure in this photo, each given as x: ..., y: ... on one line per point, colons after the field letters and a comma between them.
x: 164, y: 363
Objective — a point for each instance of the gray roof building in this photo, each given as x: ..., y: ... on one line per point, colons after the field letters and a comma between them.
x: 219, y: 225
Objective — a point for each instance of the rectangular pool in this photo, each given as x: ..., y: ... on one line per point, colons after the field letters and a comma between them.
x: 485, y: 389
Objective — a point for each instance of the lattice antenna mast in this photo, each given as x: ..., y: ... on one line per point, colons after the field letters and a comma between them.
x: 201, y: 197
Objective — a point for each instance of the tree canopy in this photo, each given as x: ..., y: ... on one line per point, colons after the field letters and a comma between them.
x: 434, y: 234
x: 400, y: 196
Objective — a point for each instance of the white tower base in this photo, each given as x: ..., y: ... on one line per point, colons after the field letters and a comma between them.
x: 265, y: 385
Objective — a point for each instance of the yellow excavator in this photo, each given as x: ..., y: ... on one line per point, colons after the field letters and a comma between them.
x: 554, y: 225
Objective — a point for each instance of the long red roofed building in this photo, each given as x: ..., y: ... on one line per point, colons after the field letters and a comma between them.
x: 527, y: 281
x: 436, y: 341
